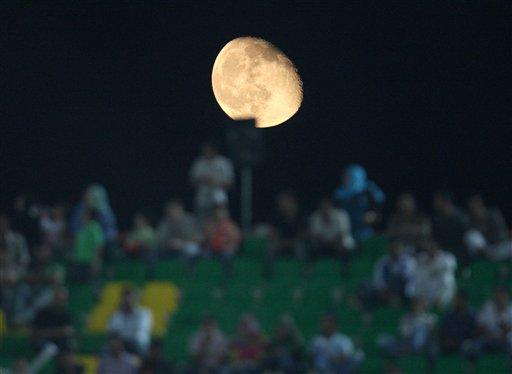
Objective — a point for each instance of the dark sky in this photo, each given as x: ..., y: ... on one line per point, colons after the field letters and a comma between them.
x: 121, y: 94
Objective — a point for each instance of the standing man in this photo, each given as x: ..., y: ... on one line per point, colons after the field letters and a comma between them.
x: 212, y: 175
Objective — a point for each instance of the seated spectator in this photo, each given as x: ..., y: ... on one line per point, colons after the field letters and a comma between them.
x: 488, y: 228
x: 361, y: 199
x: 222, y: 237
x: 54, y: 323
x: 11, y: 275
x: 89, y: 244
x: 95, y: 198
x: 15, y: 243
x: 53, y: 227
x: 179, y: 233
x: 392, y: 278
x: 330, y: 232
x: 155, y: 362
x: 332, y: 351
x: 434, y: 281
x: 248, y: 346
x: 406, y: 224
x: 449, y: 225
x: 132, y: 323
x: 116, y: 359
x: 212, y: 175
x: 287, y: 230
x: 415, y: 337
x: 141, y: 241
x: 458, y: 326
x: 37, y: 288
x: 208, y: 348
x: 286, y: 349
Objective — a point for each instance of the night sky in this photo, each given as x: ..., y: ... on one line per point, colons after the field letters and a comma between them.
x: 121, y: 94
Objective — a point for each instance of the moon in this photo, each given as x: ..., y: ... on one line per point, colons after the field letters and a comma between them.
x: 251, y: 78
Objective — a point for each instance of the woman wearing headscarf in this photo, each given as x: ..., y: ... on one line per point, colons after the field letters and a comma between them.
x: 95, y: 198
x: 360, y: 198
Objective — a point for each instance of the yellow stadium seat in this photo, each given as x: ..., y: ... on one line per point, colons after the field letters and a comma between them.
x: 162, y: 299
x: 107, y: 304
x: 90, y: 363
x: 3, y: 324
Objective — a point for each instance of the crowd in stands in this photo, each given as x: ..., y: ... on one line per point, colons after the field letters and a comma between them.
x: 426, y: 257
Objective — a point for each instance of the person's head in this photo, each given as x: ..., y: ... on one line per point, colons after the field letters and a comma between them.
x: 220, y: 213
x: 60, y: 297
x: 175, y: 209
x: 4, y: 255
x: 156, y: 348
x: 96, y: 197
x: 443, y: 202
x: 501, y: 297
x: 58, y: 212
x: 209, y: 323
x: 354, y: 177
x: 128, y: 299
x: 395, y: 249
x: 209, y: 150
x: 326, y: 206
x: 4, y: 223
x: 406, y: 204
x: 461, y: 300
x: 286, y: 203
x: 248, y: 326
x: 140, y: 221
x: 90, y: 215
x: 476, y: 206
x: 66, y: 360
x: 21, y: 366
x: 328, y: 324
x: 286, y: 327
x: 115, y: 343
x: 417, y: 306
x: 430, y: 246
x: 20, y: 203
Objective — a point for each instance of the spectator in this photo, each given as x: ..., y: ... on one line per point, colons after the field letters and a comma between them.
x: 53, y: 227
x: 392, y: 278
x: 222, y: 237
x: 415, y: 329
x: 89, y: 244
x: 11, y: 276
x: 330, y: 232
x: 156, y: 363
x: 434, y: 281
x: 208, y: 348
x: 287, y: 231
x: 96, y: 199
x: 458, y: 326
x: 495, y: 322
x: 334, y: 352
x: 15, y: 244
x: 116, y: 359
x: 285, y: 350
x: 141, y: 241
x: 54, y: 323
x: 24, y: 220
x: 449, y: 225
x: 248, y: 346
x: 406, y: 224
x: 361, y: 198
x: 179, y: 233
x: 36, y: 290
x: 132, y: 322
x: 212, y: 175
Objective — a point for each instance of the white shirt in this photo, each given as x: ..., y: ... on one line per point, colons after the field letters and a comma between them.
x: 434, y: 280
x: 336, y: 226
x: 333, y: 347
x: 219, y: 169
x: 135, y: 326
x: 490, y: 318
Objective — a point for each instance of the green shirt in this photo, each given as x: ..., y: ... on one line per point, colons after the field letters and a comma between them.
x: 88, y: 240
x: 144, y: 236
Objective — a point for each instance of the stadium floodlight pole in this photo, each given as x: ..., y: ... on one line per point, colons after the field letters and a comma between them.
x: 245, y: 144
